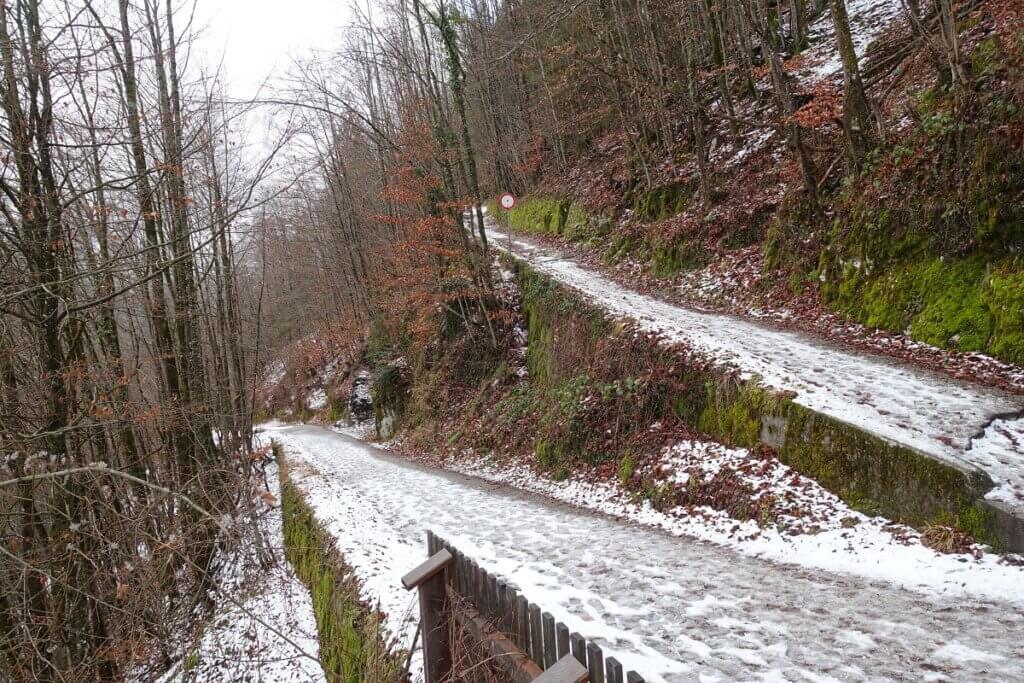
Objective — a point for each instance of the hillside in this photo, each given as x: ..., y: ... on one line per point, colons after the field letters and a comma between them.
x: 730, y: 303
x: 443, y: 340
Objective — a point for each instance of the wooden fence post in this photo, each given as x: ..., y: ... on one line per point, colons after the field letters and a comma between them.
x: 429, y: 579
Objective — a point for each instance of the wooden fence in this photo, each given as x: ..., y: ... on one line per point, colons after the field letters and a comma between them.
x: 531, y: 645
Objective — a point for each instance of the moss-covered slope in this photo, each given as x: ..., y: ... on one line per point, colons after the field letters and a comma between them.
x: 352, y: 643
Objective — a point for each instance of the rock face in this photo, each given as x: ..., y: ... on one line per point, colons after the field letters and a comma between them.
x: 391, y: 387
x: 361, y: 404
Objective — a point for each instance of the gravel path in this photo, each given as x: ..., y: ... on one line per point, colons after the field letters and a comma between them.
x: 968, y: 425
x: 672, y: 609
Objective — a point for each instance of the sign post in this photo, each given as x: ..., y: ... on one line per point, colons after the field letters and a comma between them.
x: 508, y: 201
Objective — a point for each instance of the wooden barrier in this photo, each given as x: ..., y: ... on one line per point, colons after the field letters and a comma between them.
x: 528, y: 642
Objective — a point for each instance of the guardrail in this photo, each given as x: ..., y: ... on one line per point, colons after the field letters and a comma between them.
x: 525, y: 642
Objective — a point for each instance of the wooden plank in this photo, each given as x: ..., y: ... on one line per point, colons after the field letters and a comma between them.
x: 459, y: 575
x: 536, y: 636
x: 550, y: 646
x: 493, y: 610
x: 427, y: 570
x: 431, y: 543
x: 503, y: 609
x: 579, y: 648
x: 613, y: 670
x: 565, y: 670
x: 634, y: 677
x: 523, y: 622
x: 474, y: 583
x: 562, y: 639
x: 595, y: 663
x: 434, y: 608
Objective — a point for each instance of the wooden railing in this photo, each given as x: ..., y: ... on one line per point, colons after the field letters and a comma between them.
x: 527, y: 642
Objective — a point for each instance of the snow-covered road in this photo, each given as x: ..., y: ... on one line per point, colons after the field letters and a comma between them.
x: 672, y: 609
x: 946, y: 418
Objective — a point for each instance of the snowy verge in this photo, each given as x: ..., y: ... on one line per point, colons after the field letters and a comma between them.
x: 818, y: 530
x: 868, y: 20
x: 263, y: 628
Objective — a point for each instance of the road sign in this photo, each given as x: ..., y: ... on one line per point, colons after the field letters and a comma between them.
x: 507, y: 201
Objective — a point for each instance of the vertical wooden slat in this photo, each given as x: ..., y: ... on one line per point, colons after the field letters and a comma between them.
x: 614, y: 670
x: 502, y: 621
x: 562, y: 638
x: 579, y: 648
x: 634, y: 677
x: 536, y: 636
x: 474, y: 589
x: 522, y: 623
x: 460, y: 573
x: 465, y: 576
x: 550, y: 647
x: 595, y: 663
x: 430, y: 543
x: 494, y: 611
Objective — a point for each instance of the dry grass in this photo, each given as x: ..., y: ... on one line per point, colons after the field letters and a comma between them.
x: 946, y: 539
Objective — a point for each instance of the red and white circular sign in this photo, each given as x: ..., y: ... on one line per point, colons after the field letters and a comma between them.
x: 507, y: 201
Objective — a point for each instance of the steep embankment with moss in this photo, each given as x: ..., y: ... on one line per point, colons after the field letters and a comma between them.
x: 929, y: 238
x: 353, y: 647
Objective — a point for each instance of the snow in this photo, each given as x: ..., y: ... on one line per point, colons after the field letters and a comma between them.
x: 274, y: 373
x: 361, y: 387
x: 752, y: 142
x: 671, y: 608
x: 266, y: 631
x: 317, y: 399
x: 999, y: 449
x: 828, y: 535
x: 868, y: 19
x: 942, y: 417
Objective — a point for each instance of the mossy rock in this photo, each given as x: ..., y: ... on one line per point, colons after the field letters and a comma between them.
x: 549, y: 216
x: 663, y: 202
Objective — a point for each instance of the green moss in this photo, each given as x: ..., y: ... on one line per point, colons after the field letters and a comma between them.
x: 1005, y: 297
x: 391, y: 390
x: 985, y: 58
x: 627, y: 467
x: 954, y: 312
x: 946, y: 303
x: 549, y: 216
x: 733, y: 413
x: 662, y: 202
x: 353, y: 645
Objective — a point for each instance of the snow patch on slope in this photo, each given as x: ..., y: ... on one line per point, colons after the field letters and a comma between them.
x: 247, y: 638
x: 868, y: 19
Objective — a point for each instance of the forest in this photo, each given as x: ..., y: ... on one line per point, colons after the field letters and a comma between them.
x: 165, y: 248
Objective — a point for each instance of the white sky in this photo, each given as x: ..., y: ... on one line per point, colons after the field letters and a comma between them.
x: 258, y: 38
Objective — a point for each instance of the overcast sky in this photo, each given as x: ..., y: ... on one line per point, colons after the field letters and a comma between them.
x: 258, y: 37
